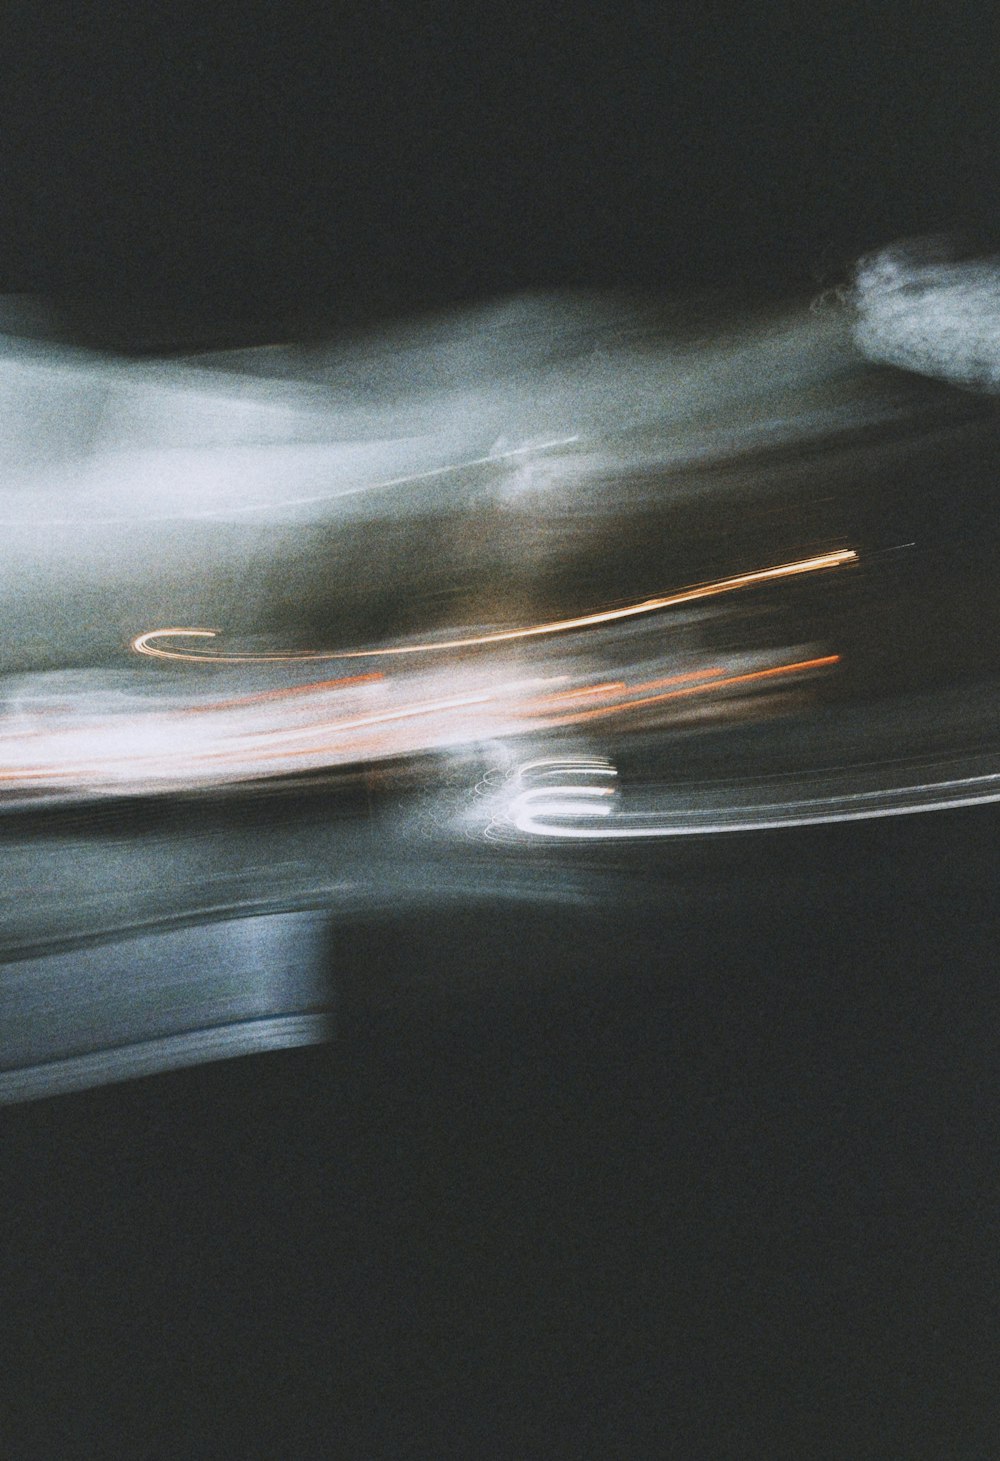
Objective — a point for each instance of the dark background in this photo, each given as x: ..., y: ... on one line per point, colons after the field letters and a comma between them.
x: 717, y: 1179
x: 251, y: 165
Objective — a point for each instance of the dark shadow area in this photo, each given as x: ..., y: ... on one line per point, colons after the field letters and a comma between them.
x: 710, y: 1178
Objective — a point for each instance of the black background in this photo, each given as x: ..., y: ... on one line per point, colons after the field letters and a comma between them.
x: 715, y: 1181
x: 243, y: 165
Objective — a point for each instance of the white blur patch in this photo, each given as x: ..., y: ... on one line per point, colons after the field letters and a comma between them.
x: 924, y: 310
x: 71, y: 735
x: 556, y: 393
x: 642, y: 386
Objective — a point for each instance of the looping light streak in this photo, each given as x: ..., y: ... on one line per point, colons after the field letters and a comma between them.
x: 564, y: 766
x: 143, y: 643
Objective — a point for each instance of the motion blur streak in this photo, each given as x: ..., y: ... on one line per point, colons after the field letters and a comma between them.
x: 141, y: 746
x: 228, y: 987
x: 709, y: 673
x: 723, y: 684
x: 548, y: 810
x: 558, y: 696
x: 411, y: 477
x: 141, y: 643
x: 285, y: 694
x: 476, y: 518
x: 406, y: 713
x: 546, y: 704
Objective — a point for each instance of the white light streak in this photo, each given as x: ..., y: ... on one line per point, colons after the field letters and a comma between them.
x: 528, y: 812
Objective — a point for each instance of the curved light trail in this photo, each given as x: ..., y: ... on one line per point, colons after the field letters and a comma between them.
x: 574, y: 813
x: 144, y: 643
x: 532, y: 809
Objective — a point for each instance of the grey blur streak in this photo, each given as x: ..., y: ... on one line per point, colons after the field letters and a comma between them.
x: 91, y: 523
x: 157, y: 1000
x: 628, y: 388
x: 115, y: 882
x: 153, y: 1057
x: 644, y: 387
x: 152, y: 973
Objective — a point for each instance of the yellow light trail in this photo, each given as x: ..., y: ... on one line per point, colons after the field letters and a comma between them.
x: 143, y: 643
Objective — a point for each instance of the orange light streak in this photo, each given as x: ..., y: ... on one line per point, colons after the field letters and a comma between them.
x: 142, y: 643
x: 315, y: 685
x: 724, y: 683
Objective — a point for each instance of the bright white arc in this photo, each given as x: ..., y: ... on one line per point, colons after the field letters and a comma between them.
x: 938, y: 796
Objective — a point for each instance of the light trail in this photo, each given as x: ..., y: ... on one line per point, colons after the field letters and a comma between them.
x: 284, y: 694
x: 268, y: 730
x: 141, y: 642
x: 427, y: 707
x: 722, y: 684
x: 558, y: 696
x: 562, y: 766
x: 241, y: 509
x: 548, y: 704
x: 529, y: 812
x: 502, y: 456
x: 144, y: 643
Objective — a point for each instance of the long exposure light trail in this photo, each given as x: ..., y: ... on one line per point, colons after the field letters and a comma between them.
x: 531, y: 811
x: 256, y: 735
x: 287, y: 693
x: 144, y: 643
x: 719, y: 684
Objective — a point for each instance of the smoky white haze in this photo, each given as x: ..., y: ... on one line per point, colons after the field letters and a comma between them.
x: 923, y: 307
x: 166, y: 482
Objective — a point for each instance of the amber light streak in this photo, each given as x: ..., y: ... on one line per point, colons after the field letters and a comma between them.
x: 143, y: 643
x: 705, y: 685
x: 545, y: 704
x: 285, y: 694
